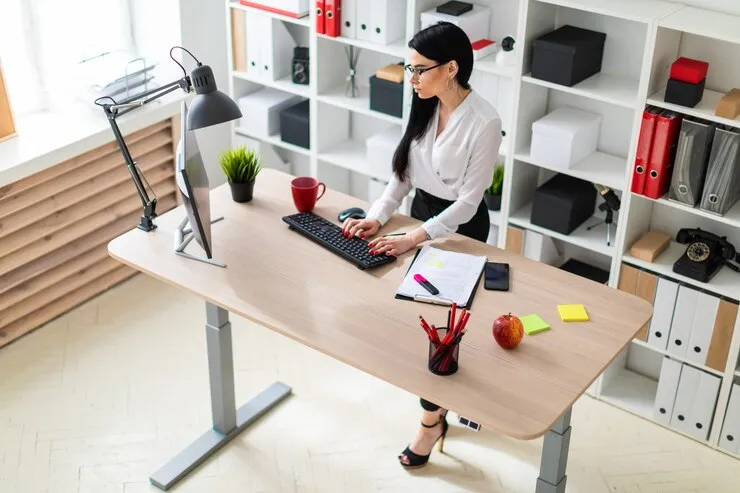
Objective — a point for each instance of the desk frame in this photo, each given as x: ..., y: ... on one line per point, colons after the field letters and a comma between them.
x: 228, y: 421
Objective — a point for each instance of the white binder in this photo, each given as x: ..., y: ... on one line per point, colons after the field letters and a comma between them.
x: 729, y: 439
x: 663, y: 305
x: 254, y: 50
x: 670, y: 374
x: 688, y: 385
x: 349, y: 18
x: 276, y: 46
x: 702, y: 328
x: 704, y: 403
x: 363, y: 20
x: 683, y: 320
x: 380, y: 21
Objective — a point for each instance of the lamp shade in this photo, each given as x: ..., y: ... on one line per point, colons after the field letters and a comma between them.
x: 210, y: 106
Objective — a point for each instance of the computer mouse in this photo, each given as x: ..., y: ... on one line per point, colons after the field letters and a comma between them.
x: 353, y: 212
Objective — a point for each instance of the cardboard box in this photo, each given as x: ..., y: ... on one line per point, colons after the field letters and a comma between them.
x: 652, y: 244
x: 729, y: 105
x: 392, y: 72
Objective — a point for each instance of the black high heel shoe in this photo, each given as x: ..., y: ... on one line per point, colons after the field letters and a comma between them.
x: 416, y: 460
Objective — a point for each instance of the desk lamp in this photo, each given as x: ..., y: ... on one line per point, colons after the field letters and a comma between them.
x: 209, y: 107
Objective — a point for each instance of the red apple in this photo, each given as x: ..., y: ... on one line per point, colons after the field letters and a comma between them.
x: 508, y: 331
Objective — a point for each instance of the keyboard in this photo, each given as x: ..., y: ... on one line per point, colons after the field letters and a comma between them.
x: 329, y: 235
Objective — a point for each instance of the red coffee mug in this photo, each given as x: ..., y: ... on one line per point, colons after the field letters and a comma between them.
x: 306, y: 192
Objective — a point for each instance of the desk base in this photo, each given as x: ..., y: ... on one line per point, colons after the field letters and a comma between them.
x: 228, y: 421
x: 211, y: 441
x: 555, y: 447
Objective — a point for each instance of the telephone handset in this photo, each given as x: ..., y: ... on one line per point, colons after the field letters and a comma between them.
x: 705, y: 254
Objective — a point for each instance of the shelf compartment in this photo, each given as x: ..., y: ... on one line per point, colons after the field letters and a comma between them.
x: 488, y: 65
x: 634, y: 10
x: 620, y: 91
x: 704, y: 109
x: 360, y: 104
x: 678, y: 358
x: 598, y: 167
x: 725, y: 283
x: 351, y: 155
x: 276, y: 141
x: 711, y: 24
x: 732, y: 217
x: 398, y: 48
x: 594, y: 240
x: 494, y: 217
x: 285, y: 84
x: 303, y: 21
x: 632, y: 392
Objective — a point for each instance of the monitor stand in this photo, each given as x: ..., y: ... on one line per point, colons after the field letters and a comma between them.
x: 181, y: 242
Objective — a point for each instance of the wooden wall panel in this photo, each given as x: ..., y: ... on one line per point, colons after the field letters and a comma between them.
x: 56, y: 224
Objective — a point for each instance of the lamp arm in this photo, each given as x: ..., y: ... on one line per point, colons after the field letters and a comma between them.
x: 113, y: 111
x: 130, y: 104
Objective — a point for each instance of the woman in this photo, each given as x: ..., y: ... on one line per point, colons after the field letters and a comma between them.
x: 447, y: 153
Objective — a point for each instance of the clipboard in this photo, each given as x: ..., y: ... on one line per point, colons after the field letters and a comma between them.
x: 468, y: 305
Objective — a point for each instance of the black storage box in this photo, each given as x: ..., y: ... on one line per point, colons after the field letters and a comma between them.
x: 586, y: 270
x: 563, y: 203
x: 684, y: 93
x: 294, y: 124
x: 386, y: 96
x: 454, y: 8
x: 567, y: 55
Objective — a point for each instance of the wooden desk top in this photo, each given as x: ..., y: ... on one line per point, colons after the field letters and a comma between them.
x: 283, y: 281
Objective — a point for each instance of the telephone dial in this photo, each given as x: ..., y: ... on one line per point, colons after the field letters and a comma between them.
x: 705, y: 254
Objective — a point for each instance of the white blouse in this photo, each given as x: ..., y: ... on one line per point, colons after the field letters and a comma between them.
x: 457, y: 165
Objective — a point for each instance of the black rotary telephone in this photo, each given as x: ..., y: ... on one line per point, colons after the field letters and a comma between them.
x: 705, y: 254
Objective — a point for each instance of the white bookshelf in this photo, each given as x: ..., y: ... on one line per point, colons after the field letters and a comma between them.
x: 643, y: 38
x: 704, y: 109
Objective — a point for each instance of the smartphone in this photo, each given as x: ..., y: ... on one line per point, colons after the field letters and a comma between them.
x: 496, y: 276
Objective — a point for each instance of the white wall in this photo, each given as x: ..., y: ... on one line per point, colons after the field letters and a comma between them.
x: 199, y: 26
x: 203, y: 29
x: 727, y: 6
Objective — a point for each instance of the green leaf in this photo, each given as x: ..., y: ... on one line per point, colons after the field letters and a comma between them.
x: 241, y: 164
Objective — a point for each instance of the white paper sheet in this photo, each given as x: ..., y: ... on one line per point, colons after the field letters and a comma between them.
x: 453, y: 274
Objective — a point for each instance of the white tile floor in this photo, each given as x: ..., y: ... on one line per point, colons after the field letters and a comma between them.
x: 99, y: 398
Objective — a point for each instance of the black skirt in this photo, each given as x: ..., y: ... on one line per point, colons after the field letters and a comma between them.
x: 425, y: 206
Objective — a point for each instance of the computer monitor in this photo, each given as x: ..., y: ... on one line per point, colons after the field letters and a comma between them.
x: 192, y: 181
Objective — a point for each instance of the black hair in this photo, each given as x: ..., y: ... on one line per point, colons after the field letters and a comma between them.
x: 441, y: 42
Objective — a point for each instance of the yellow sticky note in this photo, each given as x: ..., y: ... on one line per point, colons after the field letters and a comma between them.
x: 573, y: 313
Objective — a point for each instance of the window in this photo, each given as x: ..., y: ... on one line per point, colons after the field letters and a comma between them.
x: 41, y: 41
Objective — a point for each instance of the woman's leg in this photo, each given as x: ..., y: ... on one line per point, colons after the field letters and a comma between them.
x: 430, y: 427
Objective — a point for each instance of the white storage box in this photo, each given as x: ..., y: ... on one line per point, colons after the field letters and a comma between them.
x: 290, y: 8
x: 564, y: 137
x: 380, y: 148
x: 377, y: 21
x: 261, y: 110
x: 475, y: 22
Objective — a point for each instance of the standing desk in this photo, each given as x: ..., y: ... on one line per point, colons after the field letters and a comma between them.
x: 285, y: 282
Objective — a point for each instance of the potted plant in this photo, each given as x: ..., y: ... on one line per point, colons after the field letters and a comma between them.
x: 493, y: 192
x: 241, y: 166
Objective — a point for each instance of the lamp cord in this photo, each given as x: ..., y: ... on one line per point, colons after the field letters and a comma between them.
x: 186, y: 51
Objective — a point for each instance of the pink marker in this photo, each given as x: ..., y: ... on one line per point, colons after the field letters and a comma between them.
x: 427, y: 285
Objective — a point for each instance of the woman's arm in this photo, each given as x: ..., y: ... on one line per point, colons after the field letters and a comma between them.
x: 477, y: 178
x: 383, y: 208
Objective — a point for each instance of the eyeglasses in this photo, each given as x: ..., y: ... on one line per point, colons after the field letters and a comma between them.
x: 411, y: 70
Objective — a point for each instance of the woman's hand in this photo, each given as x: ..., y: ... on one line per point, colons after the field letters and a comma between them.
x: 360, y: 227
x: 397, y: 245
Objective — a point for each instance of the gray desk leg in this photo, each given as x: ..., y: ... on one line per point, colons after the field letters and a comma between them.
x: 228, y: 421
x: 555, y: 457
